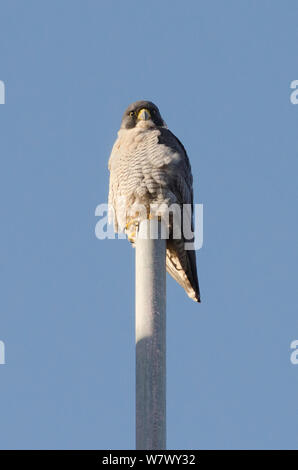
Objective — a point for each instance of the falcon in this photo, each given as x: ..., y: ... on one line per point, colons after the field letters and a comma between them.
x: 149, y: 167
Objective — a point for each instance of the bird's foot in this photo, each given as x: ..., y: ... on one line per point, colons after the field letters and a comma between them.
x: 131, y: 229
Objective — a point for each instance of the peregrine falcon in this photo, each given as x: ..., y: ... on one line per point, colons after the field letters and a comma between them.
x: 149, y: 166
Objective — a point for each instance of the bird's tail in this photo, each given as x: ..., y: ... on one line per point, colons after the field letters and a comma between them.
x: 182, y: 266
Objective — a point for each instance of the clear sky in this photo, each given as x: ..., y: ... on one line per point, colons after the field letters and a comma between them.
x: 220, y: 73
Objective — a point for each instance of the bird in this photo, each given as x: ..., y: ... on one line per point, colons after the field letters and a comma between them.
x: 149, y: 167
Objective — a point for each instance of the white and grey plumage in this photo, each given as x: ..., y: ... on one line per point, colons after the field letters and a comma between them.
x: 149, y: 165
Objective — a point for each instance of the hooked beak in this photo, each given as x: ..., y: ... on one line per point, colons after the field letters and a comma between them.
x: 144, y: 114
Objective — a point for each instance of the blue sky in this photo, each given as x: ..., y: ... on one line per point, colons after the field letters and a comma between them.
x: 220, y: 73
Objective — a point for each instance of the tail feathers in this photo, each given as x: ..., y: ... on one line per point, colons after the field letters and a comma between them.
x: 181, y: 265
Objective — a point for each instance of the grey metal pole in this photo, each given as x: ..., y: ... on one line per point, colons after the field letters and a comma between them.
x: 150, y: 338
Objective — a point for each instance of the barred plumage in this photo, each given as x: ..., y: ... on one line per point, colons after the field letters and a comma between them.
x: 149, y: 165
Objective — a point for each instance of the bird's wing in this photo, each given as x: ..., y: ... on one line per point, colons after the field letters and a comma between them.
x: 181, y: 263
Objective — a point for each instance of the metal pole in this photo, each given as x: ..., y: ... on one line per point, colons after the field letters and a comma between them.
x: 150, y: 337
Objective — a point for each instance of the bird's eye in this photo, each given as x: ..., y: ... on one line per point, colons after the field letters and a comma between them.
x: 132, y: 113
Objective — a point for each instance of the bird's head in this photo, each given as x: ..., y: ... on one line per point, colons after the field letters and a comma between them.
x: 142, y: 114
